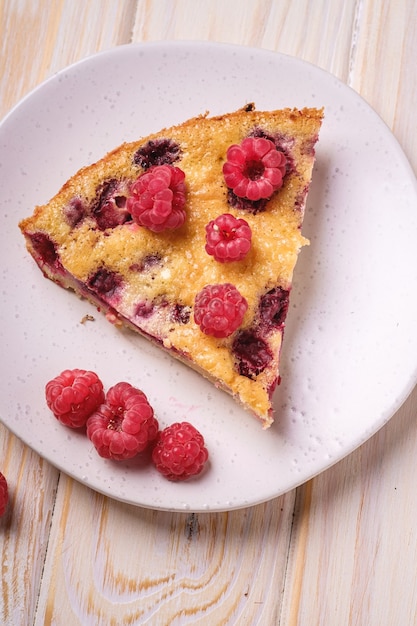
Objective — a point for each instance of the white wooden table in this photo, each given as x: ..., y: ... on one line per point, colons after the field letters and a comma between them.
x: 341, y: 549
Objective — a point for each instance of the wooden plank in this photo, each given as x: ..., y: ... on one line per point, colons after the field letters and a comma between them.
x: 354, y: 542
x: 321, y: 32
x: 24, y: 529
x: 38, y: 39
x: 121, y: 564
x: 34, y: 45
x: 385, y: 67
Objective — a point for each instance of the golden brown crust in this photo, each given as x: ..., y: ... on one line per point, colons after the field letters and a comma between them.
x: 186, y: 267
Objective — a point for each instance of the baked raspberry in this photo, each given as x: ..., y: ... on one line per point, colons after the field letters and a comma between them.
x: 123, y: 425
x: 144, y: 309
x: 73, y: 395
x: 157, y: 152
x: 75, y: 211
x: 228, y: 238
x: 244, y: 204
x: 106, y: 283
x: 254, y: 169
x: 273, y: 308
x: 180, y: 451
x: 252, y: 353
x: 109, y: 207
x: 45, y: 251
x: 4, y: 494
x: 147, y: 263
x: 157, y: 198
x: 181, y: 313
x: 219, y: 309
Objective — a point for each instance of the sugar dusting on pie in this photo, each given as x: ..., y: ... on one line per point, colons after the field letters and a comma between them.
x: 190, y: 236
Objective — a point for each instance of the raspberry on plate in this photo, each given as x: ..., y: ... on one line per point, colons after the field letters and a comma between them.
x: 73, y: 396
x: 4, y: 494
x: 228, y: 238
x: 180, y: 451
x: 219, y: 309
x: 158, y: 197
x: 123, y: 425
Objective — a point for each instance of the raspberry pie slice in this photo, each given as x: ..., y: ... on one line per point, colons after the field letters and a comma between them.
x: 190, y: 236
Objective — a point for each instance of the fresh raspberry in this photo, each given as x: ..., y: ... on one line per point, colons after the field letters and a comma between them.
x: 228, y: 238
x: 179, y: 451
x: 4, y: 494
x: 219, y: 309
x: 255, y: 168
x: 158, y: 197
x: 123, y: 425
x: 73, y: 396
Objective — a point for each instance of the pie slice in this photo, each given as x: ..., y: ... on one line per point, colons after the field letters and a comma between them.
x: 190, y: 236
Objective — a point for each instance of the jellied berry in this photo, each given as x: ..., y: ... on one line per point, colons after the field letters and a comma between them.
x: 180, y: 451
x: 219, y: 309
x: 157, y: 152
x: 252, y: 353
x: 74, y: 211
x: 45, y: 250
x: 273, y: 308
x: 124, y: 424
x: 73, y: 395
x: 106, y: 283
x: 109, y: 207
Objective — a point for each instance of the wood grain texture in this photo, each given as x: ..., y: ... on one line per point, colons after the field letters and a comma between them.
x: 341, y: 549
x: 385, y: 69
x: 110, y: 562
x: 354, y: 536
x: 40, y: 38
x: 24, y: 529
x: 320, y: 32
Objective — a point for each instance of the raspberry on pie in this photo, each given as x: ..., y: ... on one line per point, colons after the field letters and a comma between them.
x: 157, y: 198
x: 142, y: 232
x: 255, y: 168
x: 219, y: 309
x: 228, y: 238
